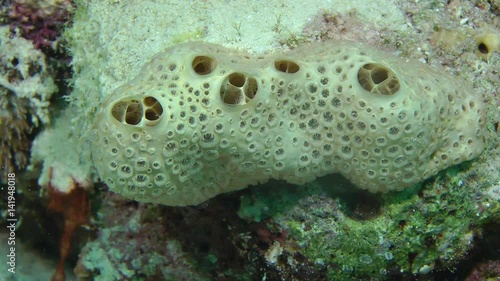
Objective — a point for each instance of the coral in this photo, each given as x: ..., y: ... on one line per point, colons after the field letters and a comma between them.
x: 414, y: 233
x: 133, y: 243
x: 30, y: 67
x: 40, y: 21
x: 14, y: 136
x: 25, y: 90
x: 208, y: 120
x: 24, y: 72
x: 488, y: 270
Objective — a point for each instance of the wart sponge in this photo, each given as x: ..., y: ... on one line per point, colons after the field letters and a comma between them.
x: 200, y: 120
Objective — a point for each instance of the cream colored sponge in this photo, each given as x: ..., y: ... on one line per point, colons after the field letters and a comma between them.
x: 201, y: 119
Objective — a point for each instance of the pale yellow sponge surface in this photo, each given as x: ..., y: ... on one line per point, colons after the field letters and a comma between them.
x: 200, y: 120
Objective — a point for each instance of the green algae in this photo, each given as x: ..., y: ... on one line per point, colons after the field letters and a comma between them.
x: 415, y: 231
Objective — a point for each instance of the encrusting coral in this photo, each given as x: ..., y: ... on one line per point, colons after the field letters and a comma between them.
x: 40, y: 21
x: 200, y: 120
x: 26, y: 88
x: 15, y: 129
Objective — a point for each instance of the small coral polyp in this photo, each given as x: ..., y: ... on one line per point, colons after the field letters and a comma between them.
x: 200, y: 120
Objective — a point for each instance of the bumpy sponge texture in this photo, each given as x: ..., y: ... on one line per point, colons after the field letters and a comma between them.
x: 200, y: 120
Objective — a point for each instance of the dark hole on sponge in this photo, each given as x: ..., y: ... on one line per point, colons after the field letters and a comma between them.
x: 483, y: 49
x: 150, y: 101
x: 154, y: 111
x: 151, y: 115
x: 237, y: 79
x: 238, y: 89
x: 203, y: 65
x: 251, y: 88
x: 133, y: 114
x: 376, y: 78
x: 118, y: 110
x: 230, y: 96
x: 379, y: 75
x: 286, y: 66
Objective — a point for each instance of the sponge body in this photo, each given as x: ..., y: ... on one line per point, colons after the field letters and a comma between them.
x: 200, y: 120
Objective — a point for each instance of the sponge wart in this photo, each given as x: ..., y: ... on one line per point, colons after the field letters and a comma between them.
x: 200, y: 120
